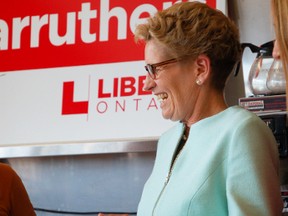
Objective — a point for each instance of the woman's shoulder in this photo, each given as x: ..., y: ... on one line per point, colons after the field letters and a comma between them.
x: 239, y: 112
x: 237, y: 115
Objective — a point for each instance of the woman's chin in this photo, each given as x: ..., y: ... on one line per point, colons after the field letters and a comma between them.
x: 168, y: 117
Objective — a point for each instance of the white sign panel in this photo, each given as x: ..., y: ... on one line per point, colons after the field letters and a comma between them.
x: 71, y: 72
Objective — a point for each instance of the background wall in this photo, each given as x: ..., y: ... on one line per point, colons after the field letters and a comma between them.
x: 63, y: 185
x: 255, y: 24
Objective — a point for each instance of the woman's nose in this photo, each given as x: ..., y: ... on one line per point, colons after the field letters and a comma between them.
x: 276, y: 51
x: 149, y: 83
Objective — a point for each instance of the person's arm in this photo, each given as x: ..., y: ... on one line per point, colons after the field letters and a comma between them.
x: 253, y: 184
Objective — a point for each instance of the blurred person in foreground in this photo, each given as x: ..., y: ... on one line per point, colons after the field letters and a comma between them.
x: 14, y: 200
x: 216, y: 160
x: 280, y: 20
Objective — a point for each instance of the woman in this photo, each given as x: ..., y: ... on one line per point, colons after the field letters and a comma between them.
x: 216, y: 160
x: 280, y: 18
x: 14, y: 200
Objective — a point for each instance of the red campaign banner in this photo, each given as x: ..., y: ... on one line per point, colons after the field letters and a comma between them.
x: 45, y: 34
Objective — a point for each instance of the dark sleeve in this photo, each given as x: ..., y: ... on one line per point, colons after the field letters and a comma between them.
x: 20, y: 202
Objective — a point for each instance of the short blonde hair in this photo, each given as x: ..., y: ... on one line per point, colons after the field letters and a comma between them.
x: 191, y: 28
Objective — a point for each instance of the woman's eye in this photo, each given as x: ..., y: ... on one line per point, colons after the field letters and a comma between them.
x: 157, y: 69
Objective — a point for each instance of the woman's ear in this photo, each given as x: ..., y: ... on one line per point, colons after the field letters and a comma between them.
x: 203, y: 69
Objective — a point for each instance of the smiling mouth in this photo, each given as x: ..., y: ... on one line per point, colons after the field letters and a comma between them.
x: 162, y: 97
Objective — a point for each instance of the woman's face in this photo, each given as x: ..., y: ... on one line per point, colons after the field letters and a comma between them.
x: 174, y: 86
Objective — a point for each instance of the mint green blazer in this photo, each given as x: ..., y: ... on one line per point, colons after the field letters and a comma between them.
x: 228, y: 166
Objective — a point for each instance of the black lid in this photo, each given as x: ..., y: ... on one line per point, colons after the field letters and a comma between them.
x: 265, y: 49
